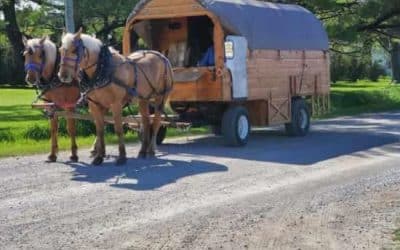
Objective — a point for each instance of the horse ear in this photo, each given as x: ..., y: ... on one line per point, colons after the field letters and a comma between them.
x: 41, y: 42
x: 64, y: 32
x: 24, y: 40
x: 78, y: 34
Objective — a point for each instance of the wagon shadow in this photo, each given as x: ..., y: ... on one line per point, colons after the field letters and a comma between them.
x: 143, y: 174
x: 328, y: 139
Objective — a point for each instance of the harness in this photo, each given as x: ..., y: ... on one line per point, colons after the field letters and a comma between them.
x: 105, y: 75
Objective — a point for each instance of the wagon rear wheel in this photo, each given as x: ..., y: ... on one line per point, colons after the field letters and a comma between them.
x: 236, y: 126
x: 300, y: 124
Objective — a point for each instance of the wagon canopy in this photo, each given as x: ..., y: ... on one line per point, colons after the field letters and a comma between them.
x: 265, y: 25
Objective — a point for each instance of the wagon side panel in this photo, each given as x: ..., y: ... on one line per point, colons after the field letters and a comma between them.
x: 277, y: 76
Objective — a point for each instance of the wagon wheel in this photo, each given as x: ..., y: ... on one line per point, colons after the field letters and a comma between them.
x: 162, y: 133
x: 300, y: 124
x: 236, y: 126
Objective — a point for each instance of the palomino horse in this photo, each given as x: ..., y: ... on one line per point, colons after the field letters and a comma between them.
x: 40, y: 61
x: 112, y: 81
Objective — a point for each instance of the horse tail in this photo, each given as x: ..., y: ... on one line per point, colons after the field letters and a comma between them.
x: 169, y: 84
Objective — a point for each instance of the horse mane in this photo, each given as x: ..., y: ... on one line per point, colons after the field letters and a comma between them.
x: 115, y: 52
x: 91, y: 43
x: 49, y: 48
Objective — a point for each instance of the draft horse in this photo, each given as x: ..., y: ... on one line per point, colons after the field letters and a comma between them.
x: 40, y: 66
x: 112, y: 81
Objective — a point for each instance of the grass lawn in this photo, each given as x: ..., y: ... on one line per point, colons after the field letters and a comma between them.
x: 17, y: 116
x: 363, y: 97
x: 396, y: 237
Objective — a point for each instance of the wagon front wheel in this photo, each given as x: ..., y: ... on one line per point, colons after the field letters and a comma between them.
x: 236, y: 126
x: 162, y: 133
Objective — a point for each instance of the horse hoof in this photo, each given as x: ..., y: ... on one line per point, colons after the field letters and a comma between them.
x: 97, y: 161
x: 121, y: 161
x: 74, y: 158
x: 142, y: 155
x: 51, y: 158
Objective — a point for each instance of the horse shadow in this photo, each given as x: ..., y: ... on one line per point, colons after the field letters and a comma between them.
x: 143, y: 175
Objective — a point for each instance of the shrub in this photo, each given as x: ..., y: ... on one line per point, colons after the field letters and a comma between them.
x: 6, y: 136
x: 83, y: 128
x: 375, y: 71
x: 346, y: 68
x: 37, y: 132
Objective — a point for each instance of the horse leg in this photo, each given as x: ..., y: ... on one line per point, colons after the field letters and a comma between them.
x: 93, y: 151
x: 117, y: 115
x: 72, y: 134
x: 54, y: 143
x: 155, y: 126
x: 144, y: 112
x: 98, y: 116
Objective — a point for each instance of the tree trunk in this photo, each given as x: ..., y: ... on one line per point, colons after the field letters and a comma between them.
x: 395, y: 53
x: 14, y: 36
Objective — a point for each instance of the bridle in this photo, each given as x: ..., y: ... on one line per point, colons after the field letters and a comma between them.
x: 80, y: 48
x: 34, y: 66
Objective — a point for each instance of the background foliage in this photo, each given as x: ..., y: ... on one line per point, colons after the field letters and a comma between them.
x: 355, y: 27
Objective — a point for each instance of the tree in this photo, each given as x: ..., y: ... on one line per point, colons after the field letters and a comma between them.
x: 14, y: 36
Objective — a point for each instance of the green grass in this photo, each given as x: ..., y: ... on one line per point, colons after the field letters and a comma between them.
x: 364, y: 97
x: 17, y: 116
x: 396, y: 237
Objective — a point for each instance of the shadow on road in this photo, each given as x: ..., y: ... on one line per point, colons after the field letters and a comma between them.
x: 143, y: 174
x: 328, y: 139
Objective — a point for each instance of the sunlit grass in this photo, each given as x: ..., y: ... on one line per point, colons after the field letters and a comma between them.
x: 364, y: 97
x: 16, y: 115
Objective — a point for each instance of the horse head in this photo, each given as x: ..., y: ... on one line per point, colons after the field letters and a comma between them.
x: 40, y: 56
x: 78, y: 52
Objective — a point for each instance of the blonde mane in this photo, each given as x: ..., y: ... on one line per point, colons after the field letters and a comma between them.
x: 92, y: 44
x: 49, y: 48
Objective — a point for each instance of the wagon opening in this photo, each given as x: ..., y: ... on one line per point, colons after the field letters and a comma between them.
x: 186, y: 41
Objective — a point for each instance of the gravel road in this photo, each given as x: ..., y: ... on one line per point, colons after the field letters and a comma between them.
x: 337, y: 188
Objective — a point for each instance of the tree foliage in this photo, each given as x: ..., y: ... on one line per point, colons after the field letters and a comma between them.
x: 354, y: 26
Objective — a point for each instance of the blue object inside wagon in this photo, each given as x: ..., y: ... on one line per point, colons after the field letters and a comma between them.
x: 266, y: 25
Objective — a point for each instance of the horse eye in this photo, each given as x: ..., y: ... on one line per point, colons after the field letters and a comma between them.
x: 30, y: 51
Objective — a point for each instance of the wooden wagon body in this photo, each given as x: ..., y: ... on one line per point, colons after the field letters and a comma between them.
x: 267, y: 59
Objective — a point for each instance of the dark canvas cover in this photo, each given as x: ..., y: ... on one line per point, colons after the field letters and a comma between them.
x: 266, y: 25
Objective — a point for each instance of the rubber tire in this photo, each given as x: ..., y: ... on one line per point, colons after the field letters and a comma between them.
x: 294, y: 128
x: 162, y: 133
x: 230, y: 125
x: 216, y: 129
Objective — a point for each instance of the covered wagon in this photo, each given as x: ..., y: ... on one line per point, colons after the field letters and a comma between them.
x: 237, y: 64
